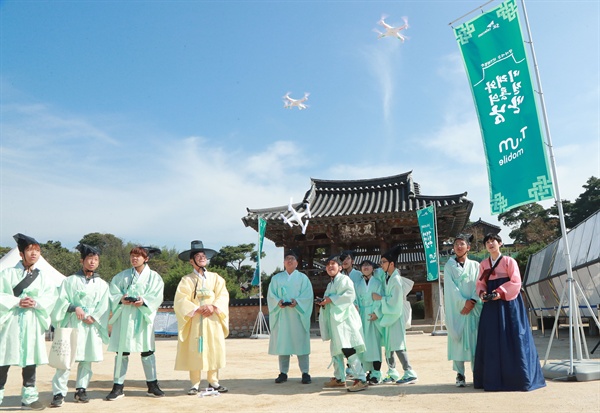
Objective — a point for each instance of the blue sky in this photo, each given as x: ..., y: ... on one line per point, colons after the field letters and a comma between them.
x: 161, y: 121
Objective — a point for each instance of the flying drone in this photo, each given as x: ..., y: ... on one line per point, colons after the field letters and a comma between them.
x: 296, y: 218
x: 289, y: 103
x: 390, y: 30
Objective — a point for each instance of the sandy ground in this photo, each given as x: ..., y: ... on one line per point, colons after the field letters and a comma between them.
x: 250, y: 375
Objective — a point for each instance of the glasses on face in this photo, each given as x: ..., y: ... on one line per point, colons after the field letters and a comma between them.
x: 289, y: 259
x: 384, y: 262
x: 200, y: 256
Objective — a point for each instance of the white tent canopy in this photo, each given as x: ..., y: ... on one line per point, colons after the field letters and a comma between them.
x: 12, y: 258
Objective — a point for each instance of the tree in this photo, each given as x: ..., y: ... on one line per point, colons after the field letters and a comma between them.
x: 234, y: 257
x: 65, y: 261
x: 530, y: 224
x: 585, y: 205
x: 4, y: 251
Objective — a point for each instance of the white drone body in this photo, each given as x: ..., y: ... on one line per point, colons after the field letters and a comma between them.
x: 290, y: 103
x: 392, y: 31
x: 296, y: 218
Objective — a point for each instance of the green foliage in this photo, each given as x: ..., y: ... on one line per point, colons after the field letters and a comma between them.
x: 531, y: 224
x: 4, y: 251
x: 61, y: 258
x: 585, y: 205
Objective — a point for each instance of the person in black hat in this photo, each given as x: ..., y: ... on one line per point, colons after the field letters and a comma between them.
x: 135, y: 295
x: 393, y: 321
x: 202, y: 309
x: 27, y: 298
x: 83, y: 304
x: 462, y: 305
x: 340, y: 324
x: 290, y: 299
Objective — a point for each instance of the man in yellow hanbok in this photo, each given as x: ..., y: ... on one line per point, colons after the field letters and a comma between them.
x: 202, y: 309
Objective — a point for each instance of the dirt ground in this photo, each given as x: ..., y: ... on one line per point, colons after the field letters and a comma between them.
x: 250, y: 375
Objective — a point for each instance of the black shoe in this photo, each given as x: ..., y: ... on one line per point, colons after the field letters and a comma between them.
x: 81, y: 396
x: 306, y: 378
x: 193, y: 391
x: 115, y: 393
x: 219, y: 388
x: 57, y: 400
x: 281, y: 378
x: 36, y: 405
x: 154, y: 390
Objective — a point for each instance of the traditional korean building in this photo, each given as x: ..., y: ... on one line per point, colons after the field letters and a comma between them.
x: 367, y: 216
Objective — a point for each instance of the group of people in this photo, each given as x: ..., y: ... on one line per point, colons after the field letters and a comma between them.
x: 30, y: 304
x: 362, y: 314
x: 487, y: 320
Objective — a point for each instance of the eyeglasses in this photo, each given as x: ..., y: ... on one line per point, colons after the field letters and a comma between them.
x: 383, y: 262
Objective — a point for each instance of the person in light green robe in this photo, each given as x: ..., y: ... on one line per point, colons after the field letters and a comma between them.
x: 392, y: 320
x: 463, y: 306
x: 82, y: 304
x: 290, y: 300
x: 27, y: 298
x: 135, y: 296
x: 339, y: 322
x: 370, y: 313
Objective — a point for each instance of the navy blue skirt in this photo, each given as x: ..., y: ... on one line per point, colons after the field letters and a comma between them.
x: 506, y: 358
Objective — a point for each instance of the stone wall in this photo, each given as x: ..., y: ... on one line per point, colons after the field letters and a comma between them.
x: 243, y: 315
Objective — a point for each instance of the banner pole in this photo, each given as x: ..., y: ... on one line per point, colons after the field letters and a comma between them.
x: 561, y: 215
x: 441, y: 314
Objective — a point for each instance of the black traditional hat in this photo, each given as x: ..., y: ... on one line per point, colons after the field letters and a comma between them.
x: 151, y: 251
x: 468, y: 238
x: 392, y: 254
x: 336, y: 258
x: 347, y: 253
x: 23, y: 241
x: 291, y: 252
x: 86, y: 250
x: 196, y: 247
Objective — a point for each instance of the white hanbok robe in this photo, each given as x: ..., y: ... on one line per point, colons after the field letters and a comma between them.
x: 339, y: 321
x: 91, y: 294
x: 290, y: 327
x: 392, y: 309
x: 460, y: 286
x: 23, y: 330
x: 366, y: 305
x: 133, y: 327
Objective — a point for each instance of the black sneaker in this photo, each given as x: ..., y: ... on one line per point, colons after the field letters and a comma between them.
x: 306, y: 378
x: 57, y: 400
x: 193, y: 391
x: 460, y: 380
x: 115, y: 393
x: 281, y: 378
x: 219, y: 388
x: 154, y: 390
x: 36, y: 405
x: 81, y: 396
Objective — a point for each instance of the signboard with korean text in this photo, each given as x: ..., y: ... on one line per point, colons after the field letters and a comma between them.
x: 494, y: 54
x: 426, y: 218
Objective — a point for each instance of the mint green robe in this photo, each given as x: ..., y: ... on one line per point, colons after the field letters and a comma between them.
x: 92, y: 296
x: 290, y: 327
x: 371, y: 330
x: 339, y: 321
x: 133, y: 327
x: 459, y: 286
x: 392, y: 309
x: 23, y: 330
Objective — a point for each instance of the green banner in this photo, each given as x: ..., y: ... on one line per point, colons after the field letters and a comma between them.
x: 494, y: 55
x: 262, y: 227
x: 426, y: 218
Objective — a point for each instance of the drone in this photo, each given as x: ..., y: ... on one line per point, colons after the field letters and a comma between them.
x: 296, y: 218
x: 392, y: 31
x: 289, y: 103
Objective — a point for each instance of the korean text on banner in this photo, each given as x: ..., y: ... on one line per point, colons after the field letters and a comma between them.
x: 496, y: 63
x: 262, y: 226
x: 426, y: 217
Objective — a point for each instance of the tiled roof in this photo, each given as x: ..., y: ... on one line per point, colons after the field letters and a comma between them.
x: 365, y: 199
